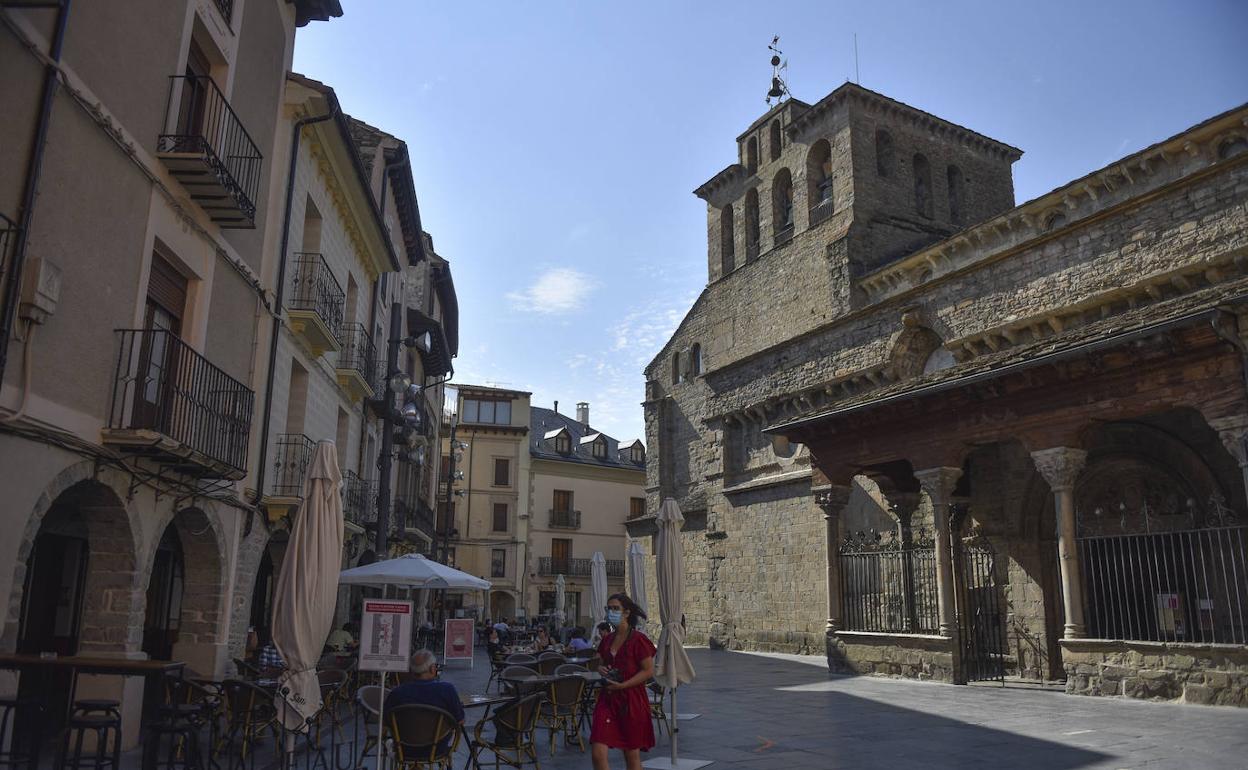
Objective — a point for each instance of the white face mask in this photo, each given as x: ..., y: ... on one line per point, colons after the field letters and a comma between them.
x: 615, y: 616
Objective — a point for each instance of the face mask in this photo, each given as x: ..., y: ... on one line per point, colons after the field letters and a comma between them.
x: 615, y: 616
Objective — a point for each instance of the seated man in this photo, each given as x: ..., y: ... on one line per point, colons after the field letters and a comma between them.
x: 341, y: 639
x: 578, y: 641
x: 426, y: 690
x: 270, y: 662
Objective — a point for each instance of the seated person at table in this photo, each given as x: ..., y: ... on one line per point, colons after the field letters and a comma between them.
x: 341, y: 639
x: 504, y: 630
x: 494, y: 645
x: 425, y: 689
x: 578, y: 641
x: 541, y: 641
x: 270, y: 661
x: 600, y: 631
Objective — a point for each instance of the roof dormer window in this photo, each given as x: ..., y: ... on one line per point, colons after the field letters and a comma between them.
x: 563, y: 444
x: 637, y: 454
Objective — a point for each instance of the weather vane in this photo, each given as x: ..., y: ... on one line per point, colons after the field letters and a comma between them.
x: 779, y: 89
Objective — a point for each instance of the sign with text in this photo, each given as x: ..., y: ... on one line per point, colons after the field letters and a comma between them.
x: 385, y: 635
x: 457, y: 644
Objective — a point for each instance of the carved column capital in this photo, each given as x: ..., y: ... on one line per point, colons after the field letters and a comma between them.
x: 1060, y: 466
x: 1233, y: 431
x: 938, y: 483
x: 903, y: 506
x: 832, y: 500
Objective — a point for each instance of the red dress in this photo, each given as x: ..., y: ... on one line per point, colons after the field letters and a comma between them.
x: 622, y: 717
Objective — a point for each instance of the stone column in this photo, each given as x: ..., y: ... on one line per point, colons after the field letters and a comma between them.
x: 832, y: 501
x: 1060, y: 466
x: 938, y: 484
x: 903, y: 507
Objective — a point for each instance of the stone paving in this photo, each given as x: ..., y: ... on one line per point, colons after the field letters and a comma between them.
x: 763, y: 711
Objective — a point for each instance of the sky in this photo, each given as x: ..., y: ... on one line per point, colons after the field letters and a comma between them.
x: 555, y: 145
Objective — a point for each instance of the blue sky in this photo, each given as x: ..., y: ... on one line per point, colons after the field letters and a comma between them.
x: 555, y: 145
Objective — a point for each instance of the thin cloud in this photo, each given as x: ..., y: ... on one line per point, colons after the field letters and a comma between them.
x: 559, y: 290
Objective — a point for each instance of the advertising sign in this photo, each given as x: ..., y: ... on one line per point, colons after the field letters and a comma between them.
x: 385, y: 635
x: 457, y: 644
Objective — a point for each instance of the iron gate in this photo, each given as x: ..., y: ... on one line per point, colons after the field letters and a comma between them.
x: 981, y: 622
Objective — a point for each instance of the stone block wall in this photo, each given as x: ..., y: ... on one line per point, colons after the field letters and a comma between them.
x: 1207, y: 674
x: 910, y: 656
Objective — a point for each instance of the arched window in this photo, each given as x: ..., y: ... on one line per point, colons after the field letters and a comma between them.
x: 1232, y: 147
x: 922, y: 186
x: 751, y: 223
x: 727, y: 250
x: 695, y: 359
x: 1054, y: 221
x: 819, y: 173
x: 751, y: 154
x: 676, y: 367
x: 782, y: 205
x: 883, y: 153
x: 775, y: 140
x: 954, y: 178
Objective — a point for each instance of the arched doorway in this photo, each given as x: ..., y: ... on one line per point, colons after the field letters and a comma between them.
x: 502, y: 605
x: 163, y: 612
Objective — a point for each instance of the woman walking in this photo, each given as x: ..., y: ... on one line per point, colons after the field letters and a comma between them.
x: 622, y: 716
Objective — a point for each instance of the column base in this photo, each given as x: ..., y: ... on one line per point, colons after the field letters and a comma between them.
x: 1074, y: 631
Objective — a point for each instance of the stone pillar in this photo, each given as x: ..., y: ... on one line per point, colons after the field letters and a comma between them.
x: 938, y: 484
x: 832, y: 501
x: 1060, y: 466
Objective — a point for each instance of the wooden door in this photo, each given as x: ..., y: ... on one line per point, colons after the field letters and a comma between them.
x: 560, y: 554
x: 166, y: 301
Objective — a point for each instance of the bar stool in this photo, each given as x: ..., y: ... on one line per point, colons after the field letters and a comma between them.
x: 101, y: 717
x: 21, y: 747
x: 178, y: 729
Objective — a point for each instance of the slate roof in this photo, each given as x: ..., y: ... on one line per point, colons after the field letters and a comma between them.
x: 1109, y: 332
x: 544, y: 423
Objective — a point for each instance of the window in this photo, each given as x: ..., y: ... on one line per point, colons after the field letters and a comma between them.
x: 781, y: 204
x: 502, y: 472
x: 600, y: 448
x: 751, y: 154
x: 560, y: 554
x: 954, y: 177
x: 498, y: 562
x: 819, y: 173
x: 676, y: 367
x: 500, y: 517
x: 775, y: 140
x: 450, y: 557
x: 922, y: 186
x: 636, y: 507
x: 562, y: 501
x: 563, y: 444
x: 751, y: 223
x: 695, y: 359
x: 485, y: 411
x: 726, y: 245
x: 638, y: 453
x: 883, y: 153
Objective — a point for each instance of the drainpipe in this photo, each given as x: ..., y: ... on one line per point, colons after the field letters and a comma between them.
x: 296, y: 133
x: 34, y: 169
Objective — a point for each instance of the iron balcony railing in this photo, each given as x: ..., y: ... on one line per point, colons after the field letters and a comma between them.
x: 163, y: 385
x: 784, y: 234
x: 314, y: 288
x: 549, y: 565
x: 228, y: 163
x: 413, y: 516
x: 821, y: 211
x: 565, y: 519
x: 357, y: 352
x: 227, y: 9
x: 290, y: 464
x: 359, y: 499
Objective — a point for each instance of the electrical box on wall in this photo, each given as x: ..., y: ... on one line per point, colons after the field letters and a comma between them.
x: 41, y: 290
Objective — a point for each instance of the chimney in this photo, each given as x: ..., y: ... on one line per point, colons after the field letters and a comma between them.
x: 556, y: 406
x: 582, y: 413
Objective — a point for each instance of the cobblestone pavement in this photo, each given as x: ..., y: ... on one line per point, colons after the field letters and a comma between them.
x: 784, y: 711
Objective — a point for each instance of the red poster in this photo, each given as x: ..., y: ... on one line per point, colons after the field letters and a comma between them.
x: 458, y: 639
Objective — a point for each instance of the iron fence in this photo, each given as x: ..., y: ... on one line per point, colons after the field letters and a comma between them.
x: 550, y: 565
x: 565, y: 519
x: 357, y: 352
x: 290, y: 464
x: 227, y: 9
x: 314, y: 288
x: 1184, y: 578
x: 206, y: 125
x: 887, y: 584
x: 161, y: 384
x: 359, y: 499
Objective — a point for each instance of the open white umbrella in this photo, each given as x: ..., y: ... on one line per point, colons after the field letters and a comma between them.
x: 307, y: 588
x: 560, y: 596
x: 412, y: 570
x: 671, y: 664
x: 597, y: 590
x: 637, y: 576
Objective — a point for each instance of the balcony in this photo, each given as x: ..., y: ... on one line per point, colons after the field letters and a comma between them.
x: 783, y: 235
x: 359, y: 500
x: 172, y: 404
x: 357, y: 361
x: 414, y: 518
x: 565, y: 519
x: 821, y: 210
x: 316, y: 304
x: 291, y: 458
x: 549, y: 565
x: 210, y: 152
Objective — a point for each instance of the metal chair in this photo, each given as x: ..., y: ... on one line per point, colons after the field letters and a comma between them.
x: 656, y: 692
x: 520, y: 659
x: 246, y: 671
x: 497, y: 664
x: 515, y: 726
x: 547, y: 666
x: 333, y: 684
x: 565, y: 669
x: 103, y: 719
x: 561, y: 710
x: 21, y: 729
x: 551, y: 654
x: 249, y: 713
x: 370, y: 697
x: 423, y: 736
x: 510, y: 674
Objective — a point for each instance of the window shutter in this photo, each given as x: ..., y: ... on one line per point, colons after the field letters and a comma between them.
x: 166, y: 287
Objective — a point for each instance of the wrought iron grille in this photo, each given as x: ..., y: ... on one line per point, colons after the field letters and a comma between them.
x: 163, y: 385
x: 1184, y: 577
x: 359, y: 499
x: 549, y: 565
x: 565, y: 519
x: 290, y: 464
x: 357, y: 352
x: 205, y: 124
x: 314, y: 288
x: 887, y: 585
x: 227, y: 9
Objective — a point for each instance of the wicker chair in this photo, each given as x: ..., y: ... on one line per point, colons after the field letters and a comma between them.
x: 521, y: 659
x: 370, y: 699
x: 249, y: 713
x: 334, y: 692
x: 547, y: 666
x: 511, y: 673
x: 562, y: 710
x: 657, y: 712
x: 418, y: 733
x: 497, y: 664
x: 573, y: 669
x: 515, y: 726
